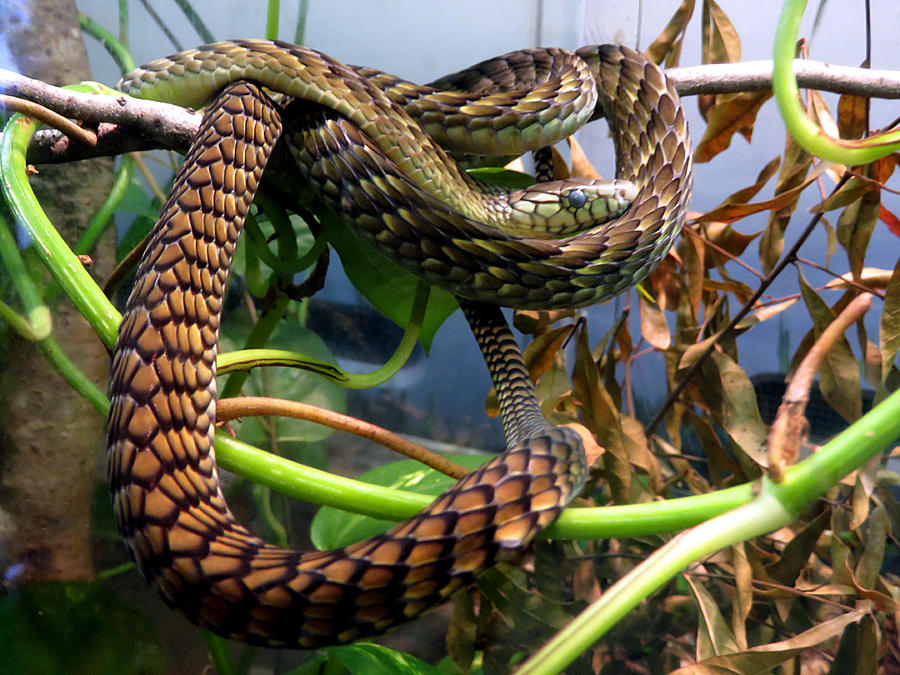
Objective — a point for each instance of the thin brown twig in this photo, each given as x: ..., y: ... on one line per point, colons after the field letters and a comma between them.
x: 148, y: 176
x: 251, y: 406
x: 869, y: 179
x: 790, y: 423
x: 718, y: 249
x: 48, y: 117
x: 125, y: 265
x: 844, y: 279
x: 786, y: 260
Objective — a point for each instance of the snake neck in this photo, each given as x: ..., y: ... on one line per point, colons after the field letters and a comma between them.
x: 520, y: 409
x: 473, y: 261
x: 651, y: 137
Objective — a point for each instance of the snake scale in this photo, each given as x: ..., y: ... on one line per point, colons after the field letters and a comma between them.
x: 370, y: 144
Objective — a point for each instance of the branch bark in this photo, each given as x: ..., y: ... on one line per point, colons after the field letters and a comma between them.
x: 125, y: 124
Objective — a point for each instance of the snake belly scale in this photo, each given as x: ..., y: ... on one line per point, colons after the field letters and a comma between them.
x: 388, y: 179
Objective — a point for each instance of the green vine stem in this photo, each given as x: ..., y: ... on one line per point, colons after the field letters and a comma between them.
x: 249, y: 358
x: 115, y: 47
x: 63, y: 264
x: 38, y: 322
x: 273, y: 10
x: 804, y: 130
x: 775, y: 506
x: 102, y: 218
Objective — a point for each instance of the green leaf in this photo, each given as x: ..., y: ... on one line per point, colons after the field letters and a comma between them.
x: 503, y: 177
x: 289, y: 383
x: 77, y: 628
x: 372, y: 659
x: 385, y: 284
x: 333, y: 528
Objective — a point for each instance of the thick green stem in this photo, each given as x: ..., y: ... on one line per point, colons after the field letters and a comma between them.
x: 764, y: 514
x: 804, y: 130
x: 272, y: 13
x: 50, y: 246
x: 37, y: 323
x: 776, y: 505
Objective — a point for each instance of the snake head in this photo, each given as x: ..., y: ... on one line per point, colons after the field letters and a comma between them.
x: 563, y: 207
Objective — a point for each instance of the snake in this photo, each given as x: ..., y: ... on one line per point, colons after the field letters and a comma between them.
x: 376, y: 149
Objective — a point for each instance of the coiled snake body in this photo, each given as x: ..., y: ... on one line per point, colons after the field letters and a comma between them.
x: 357, y: 136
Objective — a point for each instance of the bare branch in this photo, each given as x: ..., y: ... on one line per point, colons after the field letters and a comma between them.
x: 125, y: 124
x: 723, y: 78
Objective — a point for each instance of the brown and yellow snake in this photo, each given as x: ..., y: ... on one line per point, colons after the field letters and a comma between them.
x: 371, y: 145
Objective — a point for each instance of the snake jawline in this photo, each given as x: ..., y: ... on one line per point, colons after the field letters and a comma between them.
x: 167, y: 497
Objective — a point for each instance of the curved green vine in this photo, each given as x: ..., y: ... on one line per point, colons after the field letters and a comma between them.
x: 806, y: 132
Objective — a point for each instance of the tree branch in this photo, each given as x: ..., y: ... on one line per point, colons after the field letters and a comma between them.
x: 125, y: 124
x: 725, y: 78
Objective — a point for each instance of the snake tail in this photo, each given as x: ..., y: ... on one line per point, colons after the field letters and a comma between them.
x: 168, y: 501
x: 372, y: 162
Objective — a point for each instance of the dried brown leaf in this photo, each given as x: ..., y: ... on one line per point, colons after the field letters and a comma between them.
x: 853, y: 116
x: 739, y: 288
x: 554, y: 390
x: 560, y: 168
x: 795, y: 555
x: 743, y: 601
x: 721, y: 464
x: 792, y: 175
x: 850, y: 192
x: 739, y: 413
x: 855, y: 226
x: 640, y: 455
x: 721, y: 43
x: 744, y: 195
x: 872, y: 557
x: 890, y: 219
x: 839, y: 371
x: 668, y: 45
x: 783, y: 199
x: 714, y: 637
x: 764, y: 313
x: 765, y: 658
x: 889, y: 329
x: 729, y: 240
x: 601, y: 415
x: 666, y: 282
x: 870, y: 277
x: 654, y: 328
x: 581, y: 165
x: 863, y: 487
x: 733, y: 113
x: 820, y: 113
x: 540, y: 354
x: 694, y: 258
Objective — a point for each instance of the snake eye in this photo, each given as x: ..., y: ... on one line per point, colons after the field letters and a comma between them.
x: 577, y: 199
